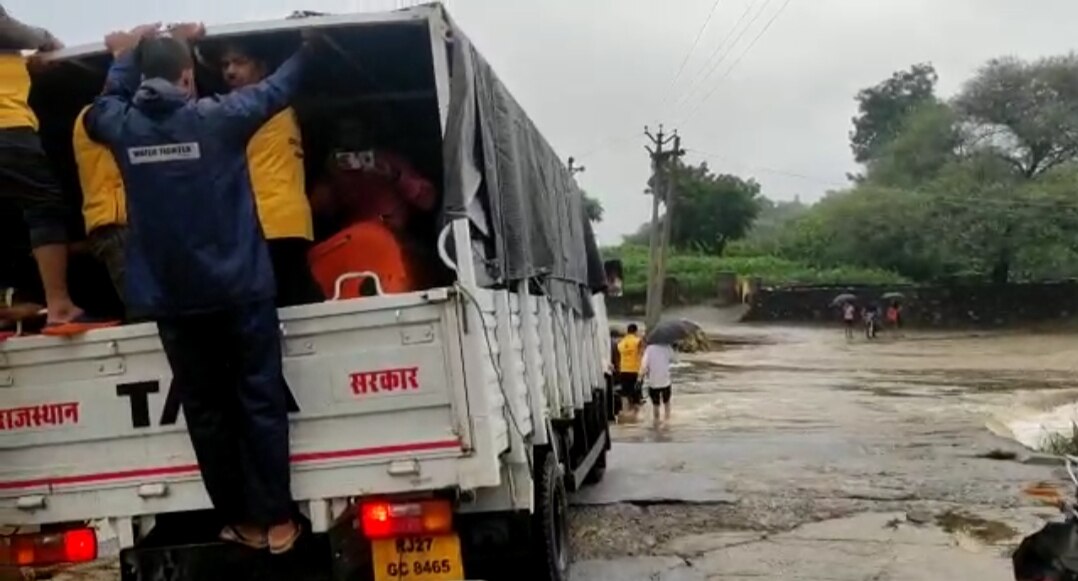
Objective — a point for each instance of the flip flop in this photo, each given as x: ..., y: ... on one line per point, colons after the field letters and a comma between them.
x: 77, y: 326
x: 231, y: 534
x: 288, y: 544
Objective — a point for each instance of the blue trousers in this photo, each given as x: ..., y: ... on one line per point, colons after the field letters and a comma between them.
x: 226, y: 368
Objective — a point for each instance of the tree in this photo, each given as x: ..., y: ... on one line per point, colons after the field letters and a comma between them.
x: 869, y: 226
x: 928, y: 140
x: 593, y: 208
x: 883, y: 108
x: 1026, y: 113
x: 711, y: 210
x: 983, y: 186
x: 770, y: 223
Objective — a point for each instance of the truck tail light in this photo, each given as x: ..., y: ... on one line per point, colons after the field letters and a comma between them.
x: 43, y: 549
x: 385, y: 519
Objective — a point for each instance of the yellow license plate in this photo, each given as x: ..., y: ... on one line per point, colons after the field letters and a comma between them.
x: 431, y: 558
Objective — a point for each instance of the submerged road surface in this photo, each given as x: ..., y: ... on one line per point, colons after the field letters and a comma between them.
x: 796, y: 454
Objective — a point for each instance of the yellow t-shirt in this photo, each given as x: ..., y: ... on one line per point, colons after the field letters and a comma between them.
x: 275, y: 162
x: 15, y: 108
x: 103, y: 201
x: 630, y: 353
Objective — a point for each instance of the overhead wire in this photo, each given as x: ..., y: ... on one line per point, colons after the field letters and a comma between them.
x: 763, y: 169
x: 947, y: 198
x: 740, y: 58
x: 609, y: 143
x: 692, y: 50
x: 720, y: 55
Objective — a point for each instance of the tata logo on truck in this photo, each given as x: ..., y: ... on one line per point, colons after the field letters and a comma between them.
x: 139, y: 392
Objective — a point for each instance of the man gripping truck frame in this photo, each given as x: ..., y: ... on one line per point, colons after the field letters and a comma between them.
x: 436, y: 428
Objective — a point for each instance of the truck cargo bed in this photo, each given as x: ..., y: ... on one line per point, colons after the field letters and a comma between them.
x: 89, y: 428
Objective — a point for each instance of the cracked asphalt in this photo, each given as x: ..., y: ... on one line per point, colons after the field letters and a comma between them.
x: 794, y: 454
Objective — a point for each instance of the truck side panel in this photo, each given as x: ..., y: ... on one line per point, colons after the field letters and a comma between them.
x: 90, y: 428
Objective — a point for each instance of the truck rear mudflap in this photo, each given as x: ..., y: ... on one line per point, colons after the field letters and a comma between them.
x: 89, y: 428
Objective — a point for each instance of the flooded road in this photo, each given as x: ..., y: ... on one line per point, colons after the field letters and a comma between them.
x: 794, y: 454
x: 797, y: 454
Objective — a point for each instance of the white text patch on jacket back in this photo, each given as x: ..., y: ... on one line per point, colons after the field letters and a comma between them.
x: 164, y: 153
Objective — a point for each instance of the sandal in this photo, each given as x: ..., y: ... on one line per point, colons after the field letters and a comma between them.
x: 77, y: 326
x: 231, y: 534
x: 289, y: 543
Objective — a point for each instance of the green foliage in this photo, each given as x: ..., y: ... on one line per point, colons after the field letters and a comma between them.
x: 928, y: 140
x: 1025, y: 112
x: 593, y: 208
x: 711, y: 210
x: 983, y: 187
x: 1061, y: 444
x: 697, y: 272
x: 976, y: 219
x: 767, y: 229
x: 882, y: 109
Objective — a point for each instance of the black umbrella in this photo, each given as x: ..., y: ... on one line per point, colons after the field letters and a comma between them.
x: 671, y: 332
x: 843, y: 299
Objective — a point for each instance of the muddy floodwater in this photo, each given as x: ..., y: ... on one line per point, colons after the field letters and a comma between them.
x: 795, y: 454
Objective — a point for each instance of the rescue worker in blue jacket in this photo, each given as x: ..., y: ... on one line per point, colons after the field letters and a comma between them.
x: 197, y: 263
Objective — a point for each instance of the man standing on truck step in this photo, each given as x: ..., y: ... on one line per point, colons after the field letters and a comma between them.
x: 27, y: 181
x: 197, y: 263
x: 275, y: 161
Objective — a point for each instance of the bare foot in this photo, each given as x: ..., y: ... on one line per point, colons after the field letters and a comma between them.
x: 63, y: 312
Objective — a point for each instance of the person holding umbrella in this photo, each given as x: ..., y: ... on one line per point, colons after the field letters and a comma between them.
x: 655, y: 375
x: 658, y: 358
x: 849, y: 311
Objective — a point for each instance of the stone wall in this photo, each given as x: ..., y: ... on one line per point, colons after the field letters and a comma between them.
x: 927, y: 306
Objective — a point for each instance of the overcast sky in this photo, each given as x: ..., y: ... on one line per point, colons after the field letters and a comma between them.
x: 591, y: 73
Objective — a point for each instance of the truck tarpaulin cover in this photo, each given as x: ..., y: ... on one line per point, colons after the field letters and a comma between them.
x: 504, y: 176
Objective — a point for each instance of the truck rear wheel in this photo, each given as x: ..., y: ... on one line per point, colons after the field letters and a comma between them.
x: 551, y: 522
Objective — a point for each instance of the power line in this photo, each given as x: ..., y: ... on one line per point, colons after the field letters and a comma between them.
x: 781, y: 172
x: 692, y: 49
x: 609, y: 143
x: 726, y: 75
x: 954, y: 200
x: 715, y: 60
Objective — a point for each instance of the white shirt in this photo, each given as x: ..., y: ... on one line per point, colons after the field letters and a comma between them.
x: 655, y: 368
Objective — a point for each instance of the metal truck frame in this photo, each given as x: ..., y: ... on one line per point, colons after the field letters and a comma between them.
x: 487, y: 396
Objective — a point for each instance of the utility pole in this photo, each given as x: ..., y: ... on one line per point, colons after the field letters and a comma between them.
x: 662, y: 189
x: 670, y: 198
x: 575, y: 169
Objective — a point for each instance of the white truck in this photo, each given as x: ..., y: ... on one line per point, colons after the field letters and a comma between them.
x: 436, y: 434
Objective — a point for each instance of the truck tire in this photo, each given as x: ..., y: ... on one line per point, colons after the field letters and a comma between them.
x: 551, y: 522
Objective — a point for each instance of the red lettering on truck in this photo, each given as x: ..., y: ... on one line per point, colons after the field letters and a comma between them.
x: 385, y: 380
x: 39, y: 416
